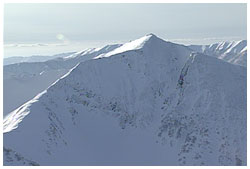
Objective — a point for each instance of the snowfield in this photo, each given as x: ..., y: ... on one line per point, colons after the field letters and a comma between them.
x: 146, y: 102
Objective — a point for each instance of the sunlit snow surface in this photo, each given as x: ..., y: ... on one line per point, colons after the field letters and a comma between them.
x: 133, y: 45
x: 233, y: 52
x: 147, y: 102
x: 23, y: 81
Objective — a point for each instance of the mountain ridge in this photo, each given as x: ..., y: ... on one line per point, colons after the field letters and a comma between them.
x: 234, y: 52
x: 162, y: 92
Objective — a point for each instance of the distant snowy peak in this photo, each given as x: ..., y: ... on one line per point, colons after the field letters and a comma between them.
x: 233, y: 52
x: 221, y: 47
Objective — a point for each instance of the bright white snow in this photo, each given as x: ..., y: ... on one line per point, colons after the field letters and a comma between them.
x: 149, y: 103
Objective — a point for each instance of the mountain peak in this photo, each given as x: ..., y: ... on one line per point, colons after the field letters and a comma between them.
x: 151, y: 35
x: 143, y: 101
x: 133, y: 45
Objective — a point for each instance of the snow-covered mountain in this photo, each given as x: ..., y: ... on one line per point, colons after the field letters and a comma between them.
x: 233, y: 52
x: 23, y: 81
x: 34, y: 58
x: 148, y: 102
x: 26, y: 80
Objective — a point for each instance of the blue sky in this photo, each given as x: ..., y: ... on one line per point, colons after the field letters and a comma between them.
x: 54, y: 28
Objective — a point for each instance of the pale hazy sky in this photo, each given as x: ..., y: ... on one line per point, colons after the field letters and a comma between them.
x: 55, y: 28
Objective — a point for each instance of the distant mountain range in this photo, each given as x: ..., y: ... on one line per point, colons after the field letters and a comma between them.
x: 233, y: 52
x: 34, y: 58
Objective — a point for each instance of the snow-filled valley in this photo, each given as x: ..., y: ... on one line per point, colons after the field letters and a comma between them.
x: 145, y: 102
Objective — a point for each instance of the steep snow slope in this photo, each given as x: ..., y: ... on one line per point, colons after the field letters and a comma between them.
x: 155, y: 105
x: 208, y: 114
x: 35, y: 58
x: 22, y: 81
x: 233, y: 52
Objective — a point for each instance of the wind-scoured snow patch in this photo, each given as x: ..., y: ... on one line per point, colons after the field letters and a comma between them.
x: 41, y: 73
x: 244, y: 49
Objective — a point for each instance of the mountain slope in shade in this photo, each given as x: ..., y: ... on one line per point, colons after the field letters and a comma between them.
x: 233, y: 52
x: 157, y: 104
x: 23, y: 81
x: 14, y: 158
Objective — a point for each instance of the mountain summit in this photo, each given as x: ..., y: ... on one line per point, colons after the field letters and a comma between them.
x: 147, y: 102
x: 147, y: 43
